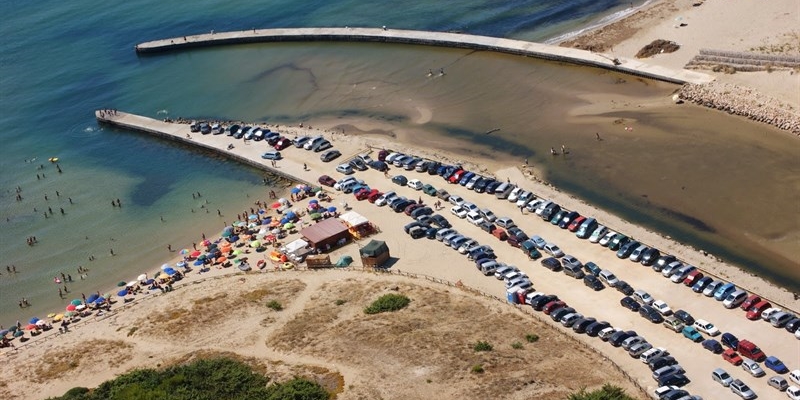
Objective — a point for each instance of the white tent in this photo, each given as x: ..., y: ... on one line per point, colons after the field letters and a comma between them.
x: 293, y: 247
x: 353, y: 218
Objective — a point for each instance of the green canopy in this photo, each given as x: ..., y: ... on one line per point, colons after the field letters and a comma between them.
x: 374, y: 248
x: 344, y: 261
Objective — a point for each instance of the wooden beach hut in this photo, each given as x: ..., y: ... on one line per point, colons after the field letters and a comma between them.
x: 374, y: 254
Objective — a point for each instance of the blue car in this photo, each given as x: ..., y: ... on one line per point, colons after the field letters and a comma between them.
x: 692, y: 334
x: 712, y: 346
x: 776, y: 365
x: 723, y: 291
x: 729, y: 340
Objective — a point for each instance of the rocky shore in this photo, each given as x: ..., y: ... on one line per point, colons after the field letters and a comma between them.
x: 745, y: 102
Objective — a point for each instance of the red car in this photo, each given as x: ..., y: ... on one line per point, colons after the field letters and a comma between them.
x: 553, y: 305
x: 755, y: 311
x: 500, y: 234
x: 412, y: 207
x: 326, y: 180
x: 362, y: 194
x: 456, y: 176
x: 730, y: 356
x: 692, y: 278
x: 283, y: 143
x: 374, y: 195
x: 750, y: 302
x: 576, y: 223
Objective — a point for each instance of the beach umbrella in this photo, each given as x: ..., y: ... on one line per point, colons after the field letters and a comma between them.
x: 69, y: 314
x: 132, y: 283
x: 71, y: 307
x: 255, y: 243
x: 252, y: 225
x: 122, y: 293
x: 195, y: 254
x: 198, y: 263
x: 226, y: 234
x: 283, y: 201
x: 222, y: 260
x: 31, y: 327
x: 13, y: 328
x: 205, y: 242
x: 315, y: 216
x: 233, y: 239
x: 296, y: 190
x: 288, y: 226
x: 41, y: 323
x: 181, y: 264
x: 237, y: 252
x: 80, y: 307
x: 76, y: 302
x: 33, y: 320
x: 331, y: 209
x: 142, y: 277
x: 3, y: 332
x: 58, y: 317
x: 92, y: 297
x: 213, y: 246
x: 313, y: 201
x: 99, y: 300
x: 171, y: 272
x: 291, y: 215
x: 19, y: 333
x: 274, y: 223
x: 286, y: 220
x: 262, y: 211
x: 202, y: 257
x: 120, y: 283
x: 185, y: 252
x: 275, y: 205
x: 149, y: 281
x: 252, y: 217
x: 51, y: 315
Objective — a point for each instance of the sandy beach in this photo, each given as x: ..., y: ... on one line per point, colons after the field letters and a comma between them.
x: 414, y: 256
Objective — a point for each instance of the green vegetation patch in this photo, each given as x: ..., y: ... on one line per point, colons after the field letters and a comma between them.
x: 388, y: 302
x: 208, y: 379
x: 607, y: 392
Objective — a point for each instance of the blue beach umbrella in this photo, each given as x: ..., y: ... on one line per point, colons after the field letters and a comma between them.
x: 331, y: 209
x: 3, y: 332
x: 252, y: 217
x: 99, y: 300
x: 149, y: 281
x: 92, y: 298
x: 233, y: 239
x: 295, y: 190
x: 33, y: 320
x: 198, y: 263
x: 122, y: 293
x: 226, y: 234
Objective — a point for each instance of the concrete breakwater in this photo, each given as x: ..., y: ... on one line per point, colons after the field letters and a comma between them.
x: 428, y: 38
x: 744, y: 102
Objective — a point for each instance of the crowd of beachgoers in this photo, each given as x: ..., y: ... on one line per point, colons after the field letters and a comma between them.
x: 743, y: 101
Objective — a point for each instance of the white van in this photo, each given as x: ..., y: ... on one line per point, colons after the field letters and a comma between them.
x: 735, y: 299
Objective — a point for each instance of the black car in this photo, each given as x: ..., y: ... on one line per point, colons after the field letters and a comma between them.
x: 673, y: 380
x: 491, y: 186
x: 401, y: 205
x: 552, y: 263
x: 617, y: 338
x: 651, y: 314
x: 487, y: 226
x: 593, y: 283
x: 433, y: 166
x: 567, y: 219
x: 729, y: 340
x: 650, y: 256
x: 792, y: 325
x: 663, y: 261
x: 539, y: 302
x: 440, y: 221
x: 684, y: 317
x: 379, y: 165
x: 595, y: 328
x: 484, y: 254
x: 557, y: 314
x: 676, y: 394
x: 580, y: 325
x: 624, y: 288
x: 430, y: 233
x: 421, y: 211
x: 408, y: 227
x: 630, y: 303
x: 550, y: 211
x: 400, y: 180
x: 660, y: 362
x: 517, y: 233
x: 480, y: 185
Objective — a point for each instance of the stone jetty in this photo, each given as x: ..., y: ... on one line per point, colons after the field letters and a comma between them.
x: 745, y: 102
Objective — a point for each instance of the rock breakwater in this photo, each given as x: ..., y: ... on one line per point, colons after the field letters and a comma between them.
x: 745, y: 102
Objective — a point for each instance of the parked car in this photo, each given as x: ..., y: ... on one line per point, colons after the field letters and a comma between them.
x: 712, y: 346
x: 734, y: 299
x: 752, y: 368
x: 729, y: 340
x: 692, y: 278
x: 591, y: 268
x: 400, y: 180
x: 272, y: 155
x: 608, y: 277
x: 660, y: 362
x: 650, y: 256
x: 593, y: 282
x: 553, y: 250
x: 751, y: 300
x: 673, y: 324
x: 595, y: 328
x: 662, y: 307
x: 551, y: 263
x: 624, y: 288
x: 712, y: 287
x: 618, y: 338
x: 330, y: 155
x: 630, y: 303
x: 643, y: 297
x: 706, y: 327
x: 778, y: 382
x: 741, y: 389
x: 749, y: 350
x: 326, y: 180
x: 684, y: 317
x: 692, y: 334
x: 345, y: 169
x: 701, y: 284
x: 732, y: 357
x: 775, y: 364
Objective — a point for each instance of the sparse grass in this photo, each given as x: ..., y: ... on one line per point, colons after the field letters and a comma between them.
x: 388, y: 302
x: 275, y: 305
x: 132, y: 331
x: 482, y: 346
x: 516, y: 345
x: 477, y: 369
x: 532, y: 338
x: 339, y: 302
x: 56, y: 365
x: 255, y: 296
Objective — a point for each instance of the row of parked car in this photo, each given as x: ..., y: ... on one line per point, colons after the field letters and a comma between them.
x: 593, y: 276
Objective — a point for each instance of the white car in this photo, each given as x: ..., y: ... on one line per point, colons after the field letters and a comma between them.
x: 505, y: 223
x: 722, y: 377
x: 598, y: 234
x: 474, y: 217
x: 385, y: 199
x: 607, y: 238
x: 768, y: 313
x: 793, y: 392
x: 662, y: 307
x: 467, y: 245
x: 456, y: 200
x: 459, y: 211
x: 524, y: 198
x: 706, y: 327
x: 342, y: 182
x: 471, y: 183
x: 345, y: 169
x: 752, y: 367
x: 514, y: 195
x: 415, y: 184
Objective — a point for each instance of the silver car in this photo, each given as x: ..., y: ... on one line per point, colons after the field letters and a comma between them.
x: 722, y: 377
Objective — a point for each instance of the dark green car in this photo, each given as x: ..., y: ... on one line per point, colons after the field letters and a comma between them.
x: 617, y: 241
x: 529, y: 248
x: 429, y: 190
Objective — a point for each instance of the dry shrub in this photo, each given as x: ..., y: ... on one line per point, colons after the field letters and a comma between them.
x: 57, y: 365
x: 658, y: 46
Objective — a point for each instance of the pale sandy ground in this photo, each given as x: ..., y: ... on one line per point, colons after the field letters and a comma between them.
x: 432, y: 258
x: 733, y: 25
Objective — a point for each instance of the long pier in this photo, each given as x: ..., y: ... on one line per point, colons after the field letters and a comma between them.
x: 217, y: 144
x: 428, y: 38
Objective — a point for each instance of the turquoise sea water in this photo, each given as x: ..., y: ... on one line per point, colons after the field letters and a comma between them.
x: 61, y: 60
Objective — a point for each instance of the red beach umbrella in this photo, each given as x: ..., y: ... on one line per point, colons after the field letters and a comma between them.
x: 71, y: 307
x: 195, y: 254
x: 31, y: 327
